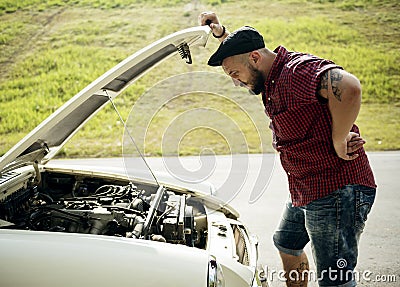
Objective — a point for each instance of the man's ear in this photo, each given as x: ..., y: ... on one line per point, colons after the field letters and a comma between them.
x: 255, y: 57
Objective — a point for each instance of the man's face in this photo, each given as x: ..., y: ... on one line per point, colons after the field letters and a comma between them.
x: 243, y: 73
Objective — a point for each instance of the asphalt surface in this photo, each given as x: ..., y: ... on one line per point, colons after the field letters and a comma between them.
x: 379, y: 254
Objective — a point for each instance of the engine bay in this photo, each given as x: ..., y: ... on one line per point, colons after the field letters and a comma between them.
x: 79, y: 203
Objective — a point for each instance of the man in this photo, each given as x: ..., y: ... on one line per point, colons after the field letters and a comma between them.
x: 313, y: 104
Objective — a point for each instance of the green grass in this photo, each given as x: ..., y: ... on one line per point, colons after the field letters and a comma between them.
x: 53, y: 49
x: 379, y: 125
x: 11, y: 6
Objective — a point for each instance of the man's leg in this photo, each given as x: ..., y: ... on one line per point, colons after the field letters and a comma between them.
x: 290, y: 238
x: 334, y: 224
x: 296, y: 269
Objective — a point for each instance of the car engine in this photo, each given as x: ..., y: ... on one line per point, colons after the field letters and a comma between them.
x: 64, y: 202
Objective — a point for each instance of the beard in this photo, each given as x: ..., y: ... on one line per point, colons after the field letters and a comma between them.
x: 257, y: 81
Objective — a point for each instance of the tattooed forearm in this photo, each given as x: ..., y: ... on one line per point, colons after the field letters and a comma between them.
x: 336, y: 78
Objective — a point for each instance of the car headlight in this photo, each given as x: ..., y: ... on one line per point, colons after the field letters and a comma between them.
x: 215, y: 275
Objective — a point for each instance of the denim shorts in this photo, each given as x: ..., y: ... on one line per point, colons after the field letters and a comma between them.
x: 333, y: 225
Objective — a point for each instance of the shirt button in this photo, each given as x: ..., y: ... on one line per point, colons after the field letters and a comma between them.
x: 273, y: 82
x: 288, y: 173
x: 269, y: 99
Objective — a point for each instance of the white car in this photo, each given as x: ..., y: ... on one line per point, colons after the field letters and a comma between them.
x: 63, y: 225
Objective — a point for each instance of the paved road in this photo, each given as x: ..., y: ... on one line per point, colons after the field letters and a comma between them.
x: 380, y: 243
x: 379, y: 258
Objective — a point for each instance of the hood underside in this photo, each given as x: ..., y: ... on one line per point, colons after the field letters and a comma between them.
x: 49, y: 137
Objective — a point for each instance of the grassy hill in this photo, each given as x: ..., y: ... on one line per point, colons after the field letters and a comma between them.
x: 51, y: 50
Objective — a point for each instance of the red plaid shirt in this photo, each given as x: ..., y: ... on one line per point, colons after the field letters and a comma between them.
x: 302, y: 129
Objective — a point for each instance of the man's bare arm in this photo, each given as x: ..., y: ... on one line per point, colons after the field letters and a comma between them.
x: 343, y: 92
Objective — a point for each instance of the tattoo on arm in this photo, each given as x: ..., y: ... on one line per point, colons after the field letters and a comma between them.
x: 323, y: 85
x: 336, y: 78
x: 333, y: 78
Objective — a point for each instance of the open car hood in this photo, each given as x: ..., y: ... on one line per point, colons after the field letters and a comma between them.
x: 42, y: 143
